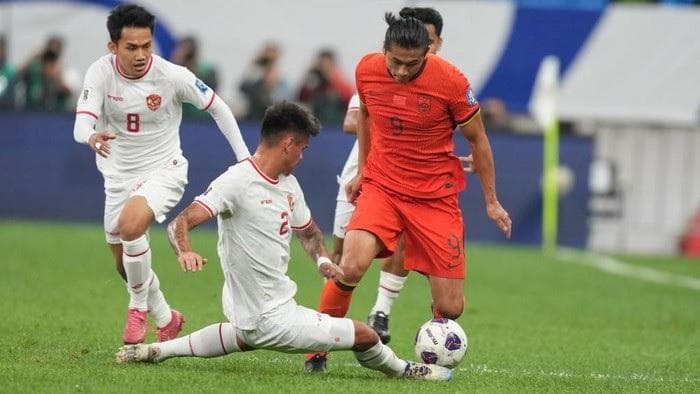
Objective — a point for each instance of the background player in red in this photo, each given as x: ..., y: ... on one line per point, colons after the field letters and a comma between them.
x: 408, y: 174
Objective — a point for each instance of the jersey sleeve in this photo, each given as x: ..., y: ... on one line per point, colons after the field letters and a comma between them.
x: 354, y: 103
x: 192, y: 90
x: 223, y: 194
x: 301, y: 214
x: 92, y: 96
x: 462, y: 103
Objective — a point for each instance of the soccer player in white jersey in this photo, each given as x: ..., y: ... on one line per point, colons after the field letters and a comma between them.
x: 392, y: 276
x: 129, y: 113
x: 258, y: 205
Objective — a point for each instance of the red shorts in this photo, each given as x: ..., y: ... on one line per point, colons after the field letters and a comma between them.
x: 433, y: 229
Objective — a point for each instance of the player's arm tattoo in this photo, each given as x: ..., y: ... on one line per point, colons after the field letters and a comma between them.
x: 178, y: 229
x: 312, y: 241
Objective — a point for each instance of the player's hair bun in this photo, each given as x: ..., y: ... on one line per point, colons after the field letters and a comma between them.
x: 407, y: 12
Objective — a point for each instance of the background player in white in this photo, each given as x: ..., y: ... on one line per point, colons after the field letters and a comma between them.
x: 258, y: 205
x: 392, y: 276
x: 129, y: 113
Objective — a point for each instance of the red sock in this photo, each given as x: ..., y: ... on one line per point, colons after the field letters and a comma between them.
x: 335, y: 301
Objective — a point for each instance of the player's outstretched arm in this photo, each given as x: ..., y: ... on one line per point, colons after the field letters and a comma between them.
x: 178, y: 231
x: 482, y: 158
x: 313, y: 243
x: 229, y: 127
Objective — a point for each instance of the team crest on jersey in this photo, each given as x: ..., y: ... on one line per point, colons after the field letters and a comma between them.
x: 201, y: 86
x: 292, y: 203
x: 470, y: 97
x: 423, y: 103
x: 153, y: 102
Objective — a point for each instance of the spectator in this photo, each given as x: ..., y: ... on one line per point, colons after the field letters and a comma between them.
x: 262, y: 83
x: 325, y: 89
x: 7, y: 75
x: 45, y: 87
x: 186, y: 54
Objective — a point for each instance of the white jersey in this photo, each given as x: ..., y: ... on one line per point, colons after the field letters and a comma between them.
x: 256, y: 216
x: 144, y: 113
x: 350, y: 167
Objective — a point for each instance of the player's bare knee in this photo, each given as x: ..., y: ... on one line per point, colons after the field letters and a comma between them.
x: 365, y: 337
x: 451, y: 310
x: 130, y: 230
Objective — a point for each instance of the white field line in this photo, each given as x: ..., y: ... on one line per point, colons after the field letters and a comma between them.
x: 617, y: 267
x: 482, y: 369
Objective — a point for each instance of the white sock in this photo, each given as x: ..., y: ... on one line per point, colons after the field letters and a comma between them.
x: 381, y: 358
x: 158, y: 308
x: 212, y: 341
x: 137, y: 264
x: 390, y: 286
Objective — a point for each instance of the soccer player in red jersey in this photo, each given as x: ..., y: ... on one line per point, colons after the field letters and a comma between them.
x: 408, y: 176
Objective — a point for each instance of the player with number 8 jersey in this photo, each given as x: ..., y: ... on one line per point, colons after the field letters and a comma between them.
x: 129, y: 114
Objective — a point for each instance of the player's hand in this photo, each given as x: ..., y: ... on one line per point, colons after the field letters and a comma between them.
x: 330, y: 271
x: 191, y: 261
x: 352, y: 189
x: 99, y: 142
x: 467, y: 164
x: 499, y: 216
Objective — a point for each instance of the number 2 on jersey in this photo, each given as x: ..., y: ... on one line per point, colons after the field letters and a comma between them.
x: 284, y: 228
x: 133, y: 122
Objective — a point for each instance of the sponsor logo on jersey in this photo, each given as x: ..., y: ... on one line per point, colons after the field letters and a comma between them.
x: 423, y: 103
x: 201, y: 86
x: 115, y: 98
x: 292, y: 203
x: 153, y: 101
x: 470, y: 97
x: 266, y: 201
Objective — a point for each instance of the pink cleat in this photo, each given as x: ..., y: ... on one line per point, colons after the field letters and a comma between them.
x: 135, y: 330
x: 173, y: 328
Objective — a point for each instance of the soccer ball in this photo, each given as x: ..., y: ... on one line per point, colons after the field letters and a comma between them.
x: 442, y: 342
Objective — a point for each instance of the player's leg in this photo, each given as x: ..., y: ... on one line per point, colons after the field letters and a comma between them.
x: 117, y: 251
x: 215, y: 340
x: 392, y: 277
x: 134, y: 220
x: 343, y: 213
x: 434, y: 239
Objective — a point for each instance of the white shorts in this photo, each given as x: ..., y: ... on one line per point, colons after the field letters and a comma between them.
x: 343, y: 213
x: 162, y: 189
x: 293, y: 328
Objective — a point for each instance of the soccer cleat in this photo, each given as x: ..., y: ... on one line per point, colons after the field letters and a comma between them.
x: 135, y: 329
x: 379, y: 321
x: 316, y: 363
x: 139, y: 353
x: 173, y: 328
x: 426, y: 372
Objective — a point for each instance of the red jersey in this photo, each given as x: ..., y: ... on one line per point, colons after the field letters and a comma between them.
x: 412, y: 151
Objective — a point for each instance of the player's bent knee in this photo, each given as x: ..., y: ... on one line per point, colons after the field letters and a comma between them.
x: 365, y: 337
x: 451, y: 311
x: 130, y: 230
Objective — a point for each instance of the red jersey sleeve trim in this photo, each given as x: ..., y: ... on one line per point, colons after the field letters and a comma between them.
x: 87, y: 113
x: 466, y: 122
x: 205, y: 206
x: 210, y: 102
x: 307, y: 225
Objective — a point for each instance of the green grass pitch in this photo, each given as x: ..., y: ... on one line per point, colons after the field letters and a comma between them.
x: 534, y: 323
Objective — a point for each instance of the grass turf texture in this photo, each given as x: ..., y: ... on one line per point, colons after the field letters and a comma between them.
x: 534, y: 324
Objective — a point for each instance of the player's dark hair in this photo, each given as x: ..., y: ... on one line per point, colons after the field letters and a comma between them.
x: 285, y: 117
x: 128, y: 15
x: 427, y: 15
x: 405, y: 32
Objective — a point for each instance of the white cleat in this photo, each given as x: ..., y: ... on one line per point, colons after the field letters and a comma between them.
x: 139, y: 353
x: 426, y: 372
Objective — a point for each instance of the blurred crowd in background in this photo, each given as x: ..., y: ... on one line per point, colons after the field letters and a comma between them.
x: 47, y: 82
